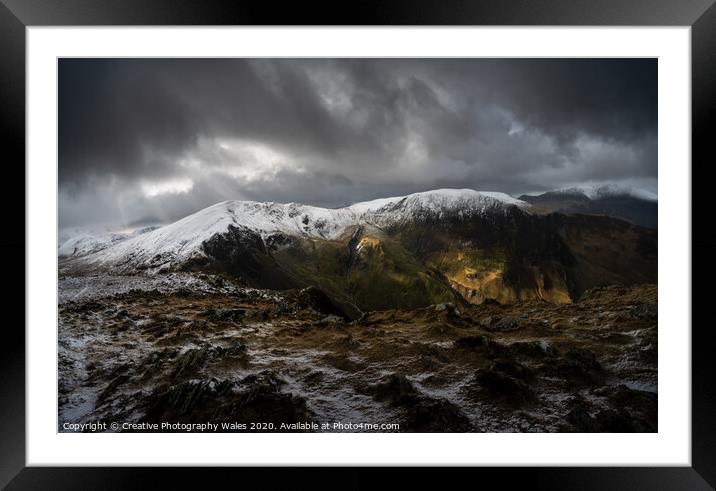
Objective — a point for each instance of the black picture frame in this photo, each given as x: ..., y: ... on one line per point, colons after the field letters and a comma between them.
x: 16, y: 15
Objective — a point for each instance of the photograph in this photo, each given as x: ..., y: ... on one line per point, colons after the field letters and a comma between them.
x: 382, y: 245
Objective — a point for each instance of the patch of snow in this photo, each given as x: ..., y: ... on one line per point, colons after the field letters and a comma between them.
x: 83, y: 288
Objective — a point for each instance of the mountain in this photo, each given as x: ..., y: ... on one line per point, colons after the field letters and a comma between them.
x: 634, y: 205
x: 459, y: 246
x: 183, y: 240
x: 82, y: 243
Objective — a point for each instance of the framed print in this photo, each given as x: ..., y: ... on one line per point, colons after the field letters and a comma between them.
x: 448, y: 236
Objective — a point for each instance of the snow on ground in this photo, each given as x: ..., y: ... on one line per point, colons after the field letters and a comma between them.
x: 82, y: 288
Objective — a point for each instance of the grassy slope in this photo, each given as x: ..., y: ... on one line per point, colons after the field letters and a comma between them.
x: 378, y: 275
x: 508, y: 258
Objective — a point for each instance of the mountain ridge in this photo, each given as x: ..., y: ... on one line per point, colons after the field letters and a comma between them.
x: 601, y: 191
x: 269, y: 218
x: 459, y: 246
x: 634, y: 205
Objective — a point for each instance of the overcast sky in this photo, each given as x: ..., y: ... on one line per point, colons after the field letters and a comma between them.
x: 152, y: 140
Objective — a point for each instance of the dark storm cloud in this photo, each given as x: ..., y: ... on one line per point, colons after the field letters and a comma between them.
x: 160, y: 138
x: 612, y: 98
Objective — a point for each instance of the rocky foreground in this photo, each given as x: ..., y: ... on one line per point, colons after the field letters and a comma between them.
x: 187, y: 348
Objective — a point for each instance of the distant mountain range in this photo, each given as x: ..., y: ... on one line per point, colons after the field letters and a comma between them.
x: 633, y: 205
x: 438, y: 246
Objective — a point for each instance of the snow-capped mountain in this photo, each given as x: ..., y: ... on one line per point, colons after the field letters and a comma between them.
x: 182, y: 240
x: 433, y: 204
x: 437, y: 200
x: 447, y: 245
x: 87, y: 243
x: 82, y: 243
